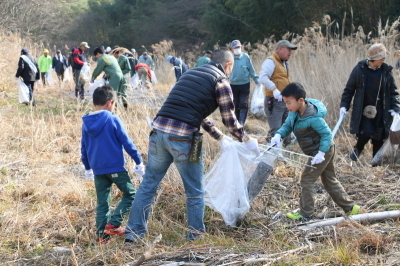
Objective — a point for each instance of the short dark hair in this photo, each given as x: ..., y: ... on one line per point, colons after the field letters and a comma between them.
x: 103, y: 94
x: 98, y: 50
x: 222, y: 55
x: 294, y: 89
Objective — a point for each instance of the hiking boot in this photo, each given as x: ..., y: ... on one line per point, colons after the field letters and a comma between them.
x: 355, y: 210
x: 114, y: 230
x: 102, y: 240
x: 297, y: 216
x: 354, y: 155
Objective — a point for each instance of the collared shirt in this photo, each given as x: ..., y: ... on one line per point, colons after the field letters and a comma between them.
x: 371, y: 67
x: 224, y: 98
x: 267, y: 70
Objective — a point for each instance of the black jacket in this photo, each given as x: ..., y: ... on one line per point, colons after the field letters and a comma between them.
x: 58, y: 66
x: 25, y: 71
x: 355, y: 87
x: 193, y: 97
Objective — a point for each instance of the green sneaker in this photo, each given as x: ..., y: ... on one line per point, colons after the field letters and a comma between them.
x: 355, y: 210
x: 297, y: 216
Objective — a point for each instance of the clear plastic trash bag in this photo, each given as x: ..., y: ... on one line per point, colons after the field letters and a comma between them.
x: 49, y: 77
x: 153, y: 77
x: 95, y: 85
x: 67, y: 75
x: 23, y: 92
x: 394, y: 133
x: 226, y: 182
x: 257, y: 102
x: 388, y: 154
x: 84, y: 74
x: 134, y: 81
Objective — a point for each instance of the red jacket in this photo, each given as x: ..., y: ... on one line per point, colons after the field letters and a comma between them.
x: 146, y: 67
x: 78, y: 59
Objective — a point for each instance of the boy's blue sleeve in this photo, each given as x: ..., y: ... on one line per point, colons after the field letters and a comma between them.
x: 84, y: 156
x: 324, y: 131
x: 286, y: 128
x: 126, y: 142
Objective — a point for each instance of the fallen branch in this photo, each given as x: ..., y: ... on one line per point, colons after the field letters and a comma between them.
x: 358, y: 218
x: 147, y: 254
x: 287, y: 253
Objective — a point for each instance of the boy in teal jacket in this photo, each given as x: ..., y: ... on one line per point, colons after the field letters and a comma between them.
x: 306, y: 121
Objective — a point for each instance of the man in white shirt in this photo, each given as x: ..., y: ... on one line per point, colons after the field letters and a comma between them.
x: 274, y: 76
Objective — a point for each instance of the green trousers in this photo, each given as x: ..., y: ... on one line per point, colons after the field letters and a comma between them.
x: 103, y: 184
x: 326, y: 170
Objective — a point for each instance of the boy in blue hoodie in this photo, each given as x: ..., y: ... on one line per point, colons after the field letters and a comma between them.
x: 103, y: 142
x: 306, y: 121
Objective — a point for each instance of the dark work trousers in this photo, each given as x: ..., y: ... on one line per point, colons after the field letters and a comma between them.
x: 363, y: 139
x: 60, y: 74
x: 30, y: 85
x: 241, y: 100
x: 43, y: 77
x: 79, y: 88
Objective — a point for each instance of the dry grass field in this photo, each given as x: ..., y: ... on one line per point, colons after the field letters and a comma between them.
x: 46, y: 205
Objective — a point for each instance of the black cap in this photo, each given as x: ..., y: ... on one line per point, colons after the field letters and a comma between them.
x: 58, y: 52
x: 24, y: 51
x: 208, y: 52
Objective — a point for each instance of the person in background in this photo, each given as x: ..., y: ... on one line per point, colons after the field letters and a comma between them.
x: 103, y: 142
x: 44, y: 63
x: 144, y: 73
x: 242, y: 71
x: 146, y: 58
x: 111, y: 68
x: 28, y: 70
x: 179, y: 66
x: 60, y: 64
x: 126, y: 69
x: 205, y: 59
x: 275, y: 77
x: 206, y: 88
x: 78, y: 61
x: 133, y: 61
x: 372, y: 86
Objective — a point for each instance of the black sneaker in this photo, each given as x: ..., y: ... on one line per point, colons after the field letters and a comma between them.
x: 129, y: 242
x: 354, y: 155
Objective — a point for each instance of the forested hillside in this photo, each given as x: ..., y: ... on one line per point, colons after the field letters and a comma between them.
x: 189, y: 24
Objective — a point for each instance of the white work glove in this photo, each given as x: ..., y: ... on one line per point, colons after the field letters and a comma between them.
x: 277, y: 95
x: 252, y: 145
x: 393, y: 113
x: 342, y: 111
x: 319, y: 158
x: 85, y: 63
x: 89, y: 174
x: 276, y: 141
x: 225, y: 142
x: 139, y: 170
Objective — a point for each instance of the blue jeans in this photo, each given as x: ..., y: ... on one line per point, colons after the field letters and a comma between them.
x: 163, y: 150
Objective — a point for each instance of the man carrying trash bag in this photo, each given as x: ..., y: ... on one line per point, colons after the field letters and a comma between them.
x: 28, y: 70
x: 176, y: 138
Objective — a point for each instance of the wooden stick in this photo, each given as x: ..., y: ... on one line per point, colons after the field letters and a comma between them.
x: 287, y: 253
x: 147, y: 254
x: 358, y: 218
